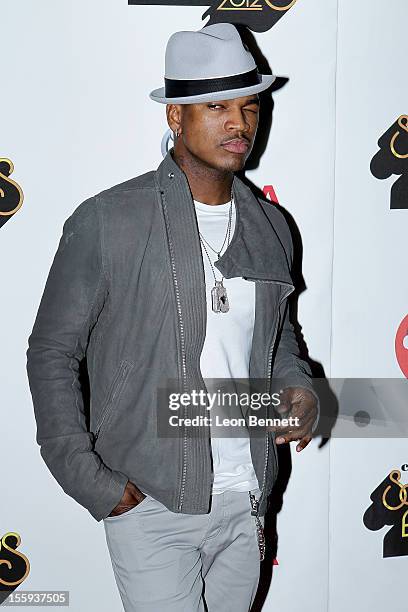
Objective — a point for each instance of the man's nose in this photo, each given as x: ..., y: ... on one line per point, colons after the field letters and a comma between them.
x: 236, y: 121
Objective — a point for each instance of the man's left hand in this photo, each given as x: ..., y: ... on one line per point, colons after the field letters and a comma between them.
x: 300, y: 403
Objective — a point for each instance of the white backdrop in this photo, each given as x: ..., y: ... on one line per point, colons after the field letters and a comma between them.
x: 370, y: 291
x: 77, y: 119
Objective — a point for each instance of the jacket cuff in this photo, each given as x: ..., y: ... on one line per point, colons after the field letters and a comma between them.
x: 111, y: 496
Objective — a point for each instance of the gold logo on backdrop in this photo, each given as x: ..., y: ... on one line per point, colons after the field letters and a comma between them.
x: 240, y: 5
x: 403, y: 124
x: 389, y: 508
x: 252, y: 5
x: 280, y: 8
x: 13, y: 563
x: 395, y: 477
x: 11, y: 195
x: 392, y: 158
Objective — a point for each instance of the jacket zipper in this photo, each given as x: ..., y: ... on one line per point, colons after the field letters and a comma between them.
x: 268, y: 367
x: 267, y: 375
x: 182, y: 346
x: 117, y: 385
x: 268, y: 383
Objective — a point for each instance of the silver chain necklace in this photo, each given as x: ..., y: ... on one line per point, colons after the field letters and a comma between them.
x: 219, y: 298
x: 217, y: 252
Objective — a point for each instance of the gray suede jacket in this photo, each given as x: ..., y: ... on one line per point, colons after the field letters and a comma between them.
x: 126, y: 290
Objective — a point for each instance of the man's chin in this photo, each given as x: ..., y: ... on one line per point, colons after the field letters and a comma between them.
x: 232, y: 163
x: 236, y: 166
x: 226, y: 162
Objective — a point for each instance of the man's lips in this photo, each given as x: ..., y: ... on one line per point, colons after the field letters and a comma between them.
x: 238, y: 145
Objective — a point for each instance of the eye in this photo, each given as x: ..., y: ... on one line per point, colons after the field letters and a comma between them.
x: 212, y: 106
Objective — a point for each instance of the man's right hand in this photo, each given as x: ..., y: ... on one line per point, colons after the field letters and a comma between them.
x: 132, y: 496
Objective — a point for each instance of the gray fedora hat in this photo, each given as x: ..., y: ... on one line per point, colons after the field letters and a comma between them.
x: 207, y: 65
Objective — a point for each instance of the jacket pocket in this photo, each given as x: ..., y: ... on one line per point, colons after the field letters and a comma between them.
x: 114, y: 393
x: 133, y: 510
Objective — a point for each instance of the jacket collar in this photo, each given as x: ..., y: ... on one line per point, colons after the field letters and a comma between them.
x: 255, y: 250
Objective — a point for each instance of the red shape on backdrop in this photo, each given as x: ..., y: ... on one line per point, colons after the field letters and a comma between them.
x: 268, y: 190
x: 401, y: 351
x: 275, y: 562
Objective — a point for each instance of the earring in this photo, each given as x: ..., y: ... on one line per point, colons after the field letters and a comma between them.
x: 176, y: 133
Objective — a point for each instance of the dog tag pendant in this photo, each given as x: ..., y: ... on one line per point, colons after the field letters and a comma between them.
x: 219, y: 298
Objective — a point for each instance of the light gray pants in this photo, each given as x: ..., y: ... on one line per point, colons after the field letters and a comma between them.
x: 164, y: 560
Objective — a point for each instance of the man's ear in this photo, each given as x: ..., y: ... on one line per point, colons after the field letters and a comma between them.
x: 173, y: 113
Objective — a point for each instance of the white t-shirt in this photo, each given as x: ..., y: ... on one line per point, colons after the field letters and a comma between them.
x: 227, y: 346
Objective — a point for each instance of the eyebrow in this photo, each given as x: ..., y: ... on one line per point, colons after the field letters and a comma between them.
x: 249, y: 101
x: 252, y: 101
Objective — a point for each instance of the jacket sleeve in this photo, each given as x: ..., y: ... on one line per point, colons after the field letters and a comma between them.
x: 73, y: 298
x: 289, y: 369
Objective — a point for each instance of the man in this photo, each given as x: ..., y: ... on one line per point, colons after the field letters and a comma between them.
x: 135, y: 289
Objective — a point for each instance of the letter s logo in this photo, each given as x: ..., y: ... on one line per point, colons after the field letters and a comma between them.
x: 14, y: 566
x: 11, y: 195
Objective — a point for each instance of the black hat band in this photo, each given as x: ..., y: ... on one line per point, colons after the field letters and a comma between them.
x: 177, y: 88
